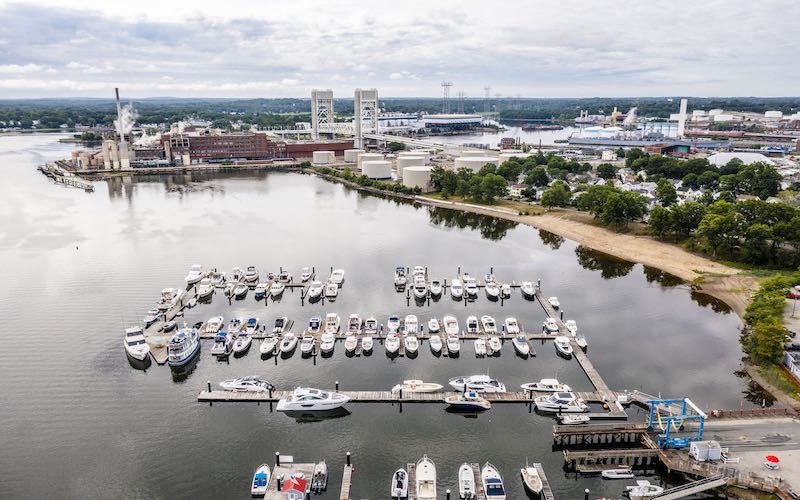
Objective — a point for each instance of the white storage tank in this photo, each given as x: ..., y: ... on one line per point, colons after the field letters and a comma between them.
x: 417, y: 176
x: 377, y: 169
x: 409, y: 161
x: 323, y: 157
x: 474, y: 163
x: 368, y: 157
x: 414, y: 154
x: 351, y: 155
x: 773, y: 114
x: 475, y: 153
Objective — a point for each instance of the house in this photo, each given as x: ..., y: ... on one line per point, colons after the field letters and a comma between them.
x: 515, y: 190
x: 792, y: 362
x: 295, y: 488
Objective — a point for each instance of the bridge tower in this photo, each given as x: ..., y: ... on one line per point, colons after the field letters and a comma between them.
x: 365, y: 105
x: 321, y: 110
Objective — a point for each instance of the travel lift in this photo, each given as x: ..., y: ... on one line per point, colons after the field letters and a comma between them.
x: 674, y: 423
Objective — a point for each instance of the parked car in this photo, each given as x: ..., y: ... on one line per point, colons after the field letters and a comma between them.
x: 794, y: 346
x: 794, y: 292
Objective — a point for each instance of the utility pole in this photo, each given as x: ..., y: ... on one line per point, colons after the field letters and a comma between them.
x: 446, y: 96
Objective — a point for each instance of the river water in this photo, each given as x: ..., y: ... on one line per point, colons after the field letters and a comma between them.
x: 79, y: 420
x: 492, y: 139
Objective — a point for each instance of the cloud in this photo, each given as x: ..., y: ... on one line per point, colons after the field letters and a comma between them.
x: 25, y: 68
x: 396, y: 76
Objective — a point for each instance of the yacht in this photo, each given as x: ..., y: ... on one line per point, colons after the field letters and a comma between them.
x: 237, y: 274
x: 268, y: 344
x: 205, y: 289
x: 260, y: 481
x: 276, y: 289
x: 554, y: 302
x: 305, y: 274
x: 195, y: 274
x: 393, y: 324
x: 420, y: 287
x: 550, y: 325
x: 456, y: 289
x: 411, y: 324
x: 478, y: 383
x: 366, y: 343
x: 572, y: 326
x: 521, y: 345
x: 331, y: 290
x: 251, y: 275
x: 217, y: 278
x: 370, y: 326
x: 240, y: 290
x: 135, y: 344
x: 546, y: 385
x: 436, y: 288
x: 469, y: 401
x: 644, y: 490
x: 574, y: 419
x: 315, y: 290
x: 251, y: 325
x: 416, y: 386
x: 426, y: 479
x: 466, y: 482
x: 400, y: 279
x: 492, y: 290
x: 242, y: 342
x: 392, y: 344
x: 308, y: 399
x: 399, y: 488
x: 332, y: 322
x: 531, y: 479
x: 560, y: 402
x: 288, y: 342
x: 223, y: 344
x: 284, y: 277
x: 354, y: 324
x: 489, y: 326
x: 512, y: 326
x: 480, y: 347
x: 280, y: 324
x: 246, y: 384
x: 411, y: 343
x: 453, y: 344
x: 327, y: 342
x: 619, y: 472
x: 492, y: 483
x: 433, y: 325
x: 350, y: 343
x: 495, y: 344
x: 337, y: 276
x: 528, y: 290
x: 151, y: 317
x: 307, y: 344
x: 470, y: 287
x: 229, y: 288
x: 563, y: 346
x: 261, y: 291
x: 213, y: 325
x: 505, y: 291
x: 450, y: 325
x: 472, y: 324
x: 183, y: 346
x: 435, y: 342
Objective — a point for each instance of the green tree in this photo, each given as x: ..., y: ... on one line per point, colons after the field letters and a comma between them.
x: 632, y: 155
x: 606, y: 171
x: 686, y: 217
x: 556, y: 195
x: 756, y: 243
x: 660, y: 222
x: 395, y: 146
x: 492, y: 186
x: 759, y: 179
x: 510, y: 170
x: 690, y: 180
x: 766, y: 341
x: 621, y: 208
x: 665, y: 192
x: 537, y: 177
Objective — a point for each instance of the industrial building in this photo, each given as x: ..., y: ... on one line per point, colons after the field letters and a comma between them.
x: 211, y: 145
x: 451, y: 121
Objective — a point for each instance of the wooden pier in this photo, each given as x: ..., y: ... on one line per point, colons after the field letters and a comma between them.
x: 634, y: 456
x: 547, y: 492
x: 61, y: 176
x: 592, y: 434
x: 347, y: 479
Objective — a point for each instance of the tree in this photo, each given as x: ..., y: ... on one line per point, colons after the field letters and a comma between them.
x: 759, y: 179
x: 660, y: 222
x: 529, y: 193
x: 606, y: 171
x: 556, y: 195
x: 621, y: 208
x: 665, y: 192
x: 686, y: 217
x: 690, y: 181
x: 396, y: 146
x: 632, y: 155
x: 708, y: 179
x: 492, y: 186
x: 510, y: 170
x: 537, y: 177
x: 756, y: 243
x: 766, y: 341
x: 720, y: 230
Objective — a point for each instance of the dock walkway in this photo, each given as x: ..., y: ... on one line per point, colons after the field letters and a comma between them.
x: 547, y: 492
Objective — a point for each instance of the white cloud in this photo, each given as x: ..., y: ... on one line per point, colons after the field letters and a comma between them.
x: 25, y: 68
x: 396, y: 76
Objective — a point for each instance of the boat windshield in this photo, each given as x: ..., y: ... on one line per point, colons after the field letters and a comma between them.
x: 494, y: 487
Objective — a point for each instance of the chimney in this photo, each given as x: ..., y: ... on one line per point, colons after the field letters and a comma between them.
x: 119, y: 116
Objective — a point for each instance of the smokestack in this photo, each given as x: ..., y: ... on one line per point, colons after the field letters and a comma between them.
x: 682, y: 118
x: 119, y: 116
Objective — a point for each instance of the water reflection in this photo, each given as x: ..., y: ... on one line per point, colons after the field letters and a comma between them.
x: 665, y: 279
x: 753, y: 392
x: 306, y: 417
x: 608, y: 265
x: 181, y: 373
x: 490, y: 228
x: 552, y: 240
x: 714, y: 303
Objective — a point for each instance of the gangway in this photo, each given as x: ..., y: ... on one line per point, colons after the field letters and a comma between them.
x: 684, y: 490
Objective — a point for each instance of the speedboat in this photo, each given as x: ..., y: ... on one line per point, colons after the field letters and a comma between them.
x: 416, y: 386
x: 288, y: 342
x: 235, y: 326
x: 495, y: 344
x: 251, y: 275
x: 563, y: 346
x: 350, y: 343
x: 280, y: 324
x: 466, y: 482
x: 572, y: 326
x: 478, y: 383
x: 420, y: 287
x: 284, y: 277
x: 619, y: 472
x: 433, y: 325
x: 400, y: 279
x: 393, y: 324
x: 419, y: 271
x: 240, y: 290
x: 492, y: 483
x: 456, y: 289
x: 170, y: 297
x: 546, y: 385
x: 512, y: 326
x: 505, y: 291
x: 469, y: 401
x: 223, y: 344
x: 135, y: 344
x: 276, y: 289
x: 242, y: 342
x: 151, y: 317
x: 217, y: 278
x: 314, y: 325
x: 531, y: 479
x: 644, y: 490
x: 260, y: 481
x: 366, y: 343
x: 550, y: 325
x: 489, y: 278
x: 470, y: 287
x: 560, y: 402
x: 327, y: 342
x: 573, y: 419
x: 399, y: 487
x: 554, y: 302
x: 581, y: 341
x: 370, y: 326
x: 435, y: 342
x: 392, y: 344
x: 450, y: 325
x: 246, y: 384
x: 213, y: 325
x: 205, y: 289
x: 268, y: 344
x: 436, y: 288
x: 251, y: 325
x: 315, y: 290
x: 354, y: 324
x: 305, y: 274
x: 332, y: 323
x: 337, y: 276
x: 307, y: 344
x: 472, y: 324
x: 411, y: 324
x: 183, y: 346
x: 319, y: 478
x: 453, y: 344
x: 411, y: 343
x: 521, y: 345
x: 489, y: 326
x: 308, y: 399
x: 528, y: 290
x: 480, y: 347
x: 237, y: 274
x: 492, y: 290
x: 195, y: 274
x: 261, y: 291
x: 229, y: 288
x: 426, y: 479
x: 331, y: 290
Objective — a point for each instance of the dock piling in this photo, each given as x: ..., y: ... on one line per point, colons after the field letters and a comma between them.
x: 277, y: 459
x: 337, y: 385
x: 348, y: 458
x: 448, y: 494
x: 586, y: 494
x: 209, y: 386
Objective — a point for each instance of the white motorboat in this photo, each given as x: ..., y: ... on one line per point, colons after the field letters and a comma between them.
x: 563, y: 346
x: 276, y: 289
x: 550, y: 325
x: 169, y: 298
x: 480, y: 347
x: 505, y: 291
x: 433, y: 325
x: 251, y: 325
x: 472, y: 324
x: 151, y: 317
x: 393, y: 324
x: 205, y: 289
x: 492, y: 483
x: 315, y: 290
x: 531, y: 479
x: 420, y: 288
x: 308, y: 399
x: 546, y: 385
x: 492, y: 290
x: 319, y: 478
x: 400, y: 279
x: 223, y: 344
x: 237, y: 274
x: 419, y: 271
x: 268, y: 344
x: 260, y: 481
x: 366, y: 343
x: 217, y: 278
x: 354, y: 324
x: 332, y: 322
x: 251, y: 275
x: 456, y: 289
x: 331, y: 290
x: 392, y: 343
x: 350, y: 343
x: 305, y: 274
x: 512, y: 326
x: 370, y: 326
x: 229, y: 288
x: 337, y: 276
x: 644, y: 490
x: 327, y: 342
x: 521, y: 345
x: 280, y: 324
x: 195, y: 274
x: 191, y: 303
x: 489, y: 325
x: 169, y: 326
x: 242, y: 342
x: 470, y: 287
x: 235, y: 326
x: 183, y: 346
x: 240, y: 290
x: 560, y: 402
x: 554, y: 302
x: 288, y: 342
x: 411, y: 324
x: 466, y: 482
x: 478, y: 383
x: 135, y: 344
x: 469, y: 401
x: 314, y: 325
x: 426, y: 479
x: 436, y: 288
x: 528, y: 290
x: 411, y: 343
x: 399, y: 488
x: 581, y: 341
x: 450, y: 325
x: 213, y: 325
x: 489, y: 278
x: 435, y: 342
x: 246, y: 384
x: 453, y: 344
x: 619, y: 472
x: 572, y: 326
x: 574, y: 419
x: 261, y: 291
x: 307, y: 344
x: 285, y: 277
x: 494, y: 343
x: 413, y: 386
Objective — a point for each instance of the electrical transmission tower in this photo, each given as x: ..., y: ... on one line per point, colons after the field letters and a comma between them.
x: 446, y: 96
x: 487, y: 91
x: 461, y: 96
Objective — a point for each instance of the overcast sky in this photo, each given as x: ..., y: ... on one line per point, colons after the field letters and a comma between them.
x: 284, y: 48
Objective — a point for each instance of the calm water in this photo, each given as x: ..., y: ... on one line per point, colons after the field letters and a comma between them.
x: 491, y: 139
x: 77, y: 419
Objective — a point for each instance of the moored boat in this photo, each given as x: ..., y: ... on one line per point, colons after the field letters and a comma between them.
x: 337, y: 276
x: 433, y: 325
x: 480, y: 347
x: 315, y: 290
x: 456, y: 289
x: 492, y: 483
x: 546, y: 385
x: 512, y: 325
x: 466, y: 482
x: 183, y: 346
x: 550, y: 325
x: 619, y: 472
x: 469, y: 401
x: 560, y: 402
x: 450, y: 325
x: 195, y: 274
x: 260, y: 481
x: 310, y: 399
x: 531, y: 479
x: 644, y: 490
x: 416, y: 386
x: 435, y: 342
x: 135, y: 344
x: 268, y: 344
x: 246, y: 384
x: 399, y: 487
x: 276, y: 289
x: 528, y: 290
x: 563, y: 346
x: 288, y: 342
x: 392, y: 344
x: 453, y: 344
x: 488, y: 324
x: 426, y: 479
x: 521, y: 345
x: 331, y: 290
x: 479, y: 383
x: 436, y: 288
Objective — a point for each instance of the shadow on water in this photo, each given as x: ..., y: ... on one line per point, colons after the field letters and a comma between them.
x: 608, y: 265
x: 552, y: 240
x: 665, y: 279
x: 181, y: 373
x: 305, y: 417
x: 714, y: 303
x: 753, y: 392
x: 490, y: 228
